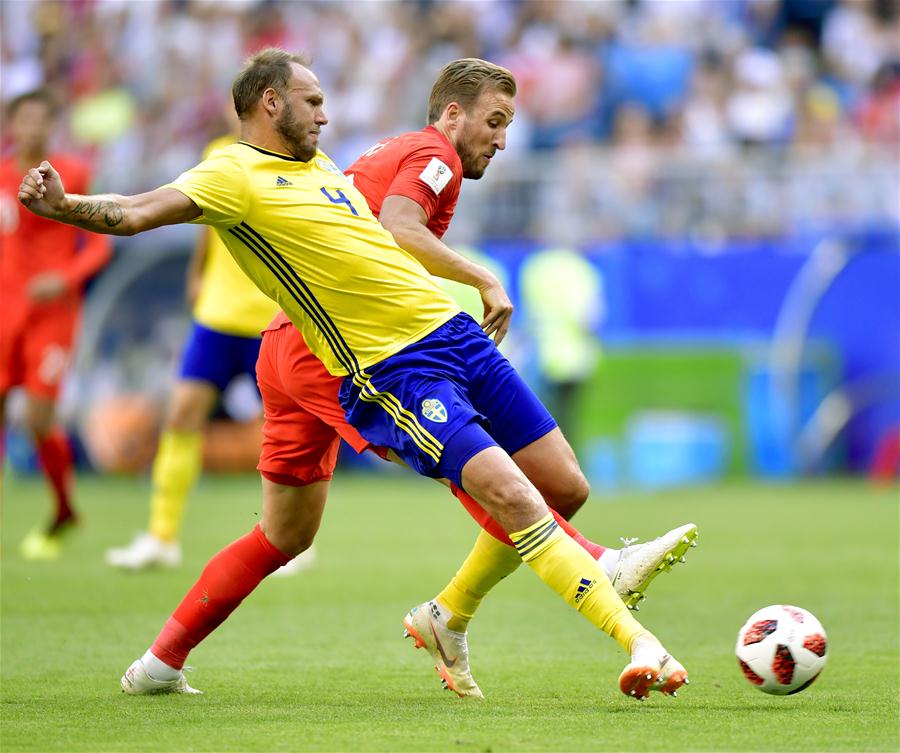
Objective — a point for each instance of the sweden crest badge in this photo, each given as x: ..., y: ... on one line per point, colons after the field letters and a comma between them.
x: 434, y: 410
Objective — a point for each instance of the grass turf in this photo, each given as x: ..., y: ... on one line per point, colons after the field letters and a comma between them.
x: 315, y: 662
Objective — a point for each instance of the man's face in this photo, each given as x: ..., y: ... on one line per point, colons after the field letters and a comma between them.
x: 302, y: 116
x: 31, y: 127
x: 483, y: 131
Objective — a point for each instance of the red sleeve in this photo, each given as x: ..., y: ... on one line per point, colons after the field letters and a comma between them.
x: 430, y: 175
x: 94, y: 253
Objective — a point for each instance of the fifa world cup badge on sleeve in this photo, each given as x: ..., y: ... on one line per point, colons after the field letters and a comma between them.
x: 436, y: 175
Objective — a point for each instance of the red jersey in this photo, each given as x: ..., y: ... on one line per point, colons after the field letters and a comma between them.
x: 31, y: 245
x: 422, y: 165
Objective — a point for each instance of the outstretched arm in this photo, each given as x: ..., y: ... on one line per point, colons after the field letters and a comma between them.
x: 406, y: 221
x: 43, y: 193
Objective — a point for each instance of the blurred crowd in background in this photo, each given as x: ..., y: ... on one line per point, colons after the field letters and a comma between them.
x: 713, y: 184
x: 649, y: 116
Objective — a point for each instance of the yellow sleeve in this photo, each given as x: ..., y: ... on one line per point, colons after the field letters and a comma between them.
x: 220, y: 187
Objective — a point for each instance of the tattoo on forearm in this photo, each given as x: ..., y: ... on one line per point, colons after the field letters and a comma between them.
x: 90, y: 210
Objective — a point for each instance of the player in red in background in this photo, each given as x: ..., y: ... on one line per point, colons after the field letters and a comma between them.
x: 44, y: 266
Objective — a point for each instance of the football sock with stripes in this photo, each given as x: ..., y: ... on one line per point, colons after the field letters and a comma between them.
x: 175, y: 470
x: 487, y: 564
x: 578, y: 578
x: 492, y: 558
x: 481, y: 516
x: 55, y: 456
x: 226, y: 580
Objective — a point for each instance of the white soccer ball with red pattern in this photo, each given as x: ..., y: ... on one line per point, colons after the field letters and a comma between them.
x: 782, y: 649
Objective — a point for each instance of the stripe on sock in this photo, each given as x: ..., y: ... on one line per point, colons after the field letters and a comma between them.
x: 530, y: 542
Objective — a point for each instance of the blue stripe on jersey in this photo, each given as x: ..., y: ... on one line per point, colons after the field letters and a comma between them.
x: 280, y: 274
x: 315, y: 303
x: 536, y: 538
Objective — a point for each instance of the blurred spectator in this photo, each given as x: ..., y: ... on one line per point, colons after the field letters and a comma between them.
x: 634, y: 165
x: 560, y: 88
x: 878, y: 115
x: 144, y: 83
x: 564, y: 300
x: 858, y: 37
x: 759, y: 109
x: 703, y: 127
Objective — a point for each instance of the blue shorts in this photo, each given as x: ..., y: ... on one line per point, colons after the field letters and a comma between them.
x: 443, y: 399
x: 215, y: 357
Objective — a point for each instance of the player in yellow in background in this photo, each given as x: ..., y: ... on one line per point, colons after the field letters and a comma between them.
x: 229, y: 313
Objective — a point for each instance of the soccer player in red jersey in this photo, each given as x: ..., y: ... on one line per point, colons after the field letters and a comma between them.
x: 44, y: 266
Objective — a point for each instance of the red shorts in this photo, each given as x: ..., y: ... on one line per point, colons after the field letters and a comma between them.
x: 304, y: 421
x: 35, y: 349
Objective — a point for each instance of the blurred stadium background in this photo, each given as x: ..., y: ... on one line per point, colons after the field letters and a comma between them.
x: 715, y: 180
x: 697, y: 217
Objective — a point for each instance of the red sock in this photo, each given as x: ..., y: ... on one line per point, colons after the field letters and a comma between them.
x: 496, y: 530
x: 55, y: 455
x: 226, y: 580
x: 595, y: 550
x: 886, y: 461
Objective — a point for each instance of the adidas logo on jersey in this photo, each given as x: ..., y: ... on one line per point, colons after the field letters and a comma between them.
x: 282, y: 182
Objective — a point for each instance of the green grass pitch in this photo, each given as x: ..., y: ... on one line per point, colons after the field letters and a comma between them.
x: 316, y: 663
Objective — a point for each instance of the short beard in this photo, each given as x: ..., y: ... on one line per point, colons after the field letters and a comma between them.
x: 286, y: 128
x: 470, y: 170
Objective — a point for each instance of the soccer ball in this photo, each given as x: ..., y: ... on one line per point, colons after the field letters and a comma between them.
x: 781, y: 649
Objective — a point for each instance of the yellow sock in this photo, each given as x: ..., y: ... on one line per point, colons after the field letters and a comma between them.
x: 175, y: 470
x: 489, y: 562
x: 578, y: 578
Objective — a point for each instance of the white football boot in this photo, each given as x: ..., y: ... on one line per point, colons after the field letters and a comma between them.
x: 136, y: 681
x: 143, y: 552
x: 639, y: 564
x: 427, y: 625
x: 652, y: 668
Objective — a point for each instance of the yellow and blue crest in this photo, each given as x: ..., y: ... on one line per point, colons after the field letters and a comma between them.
x: 434, y: 410
x: 330, y: 167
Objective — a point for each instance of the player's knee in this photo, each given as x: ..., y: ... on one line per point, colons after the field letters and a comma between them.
x: 511, y: 501
x: 298, y: 545
x: 39, y: 426
x: 568, y: 496
x: 185, y: 417
x: 289, y: 541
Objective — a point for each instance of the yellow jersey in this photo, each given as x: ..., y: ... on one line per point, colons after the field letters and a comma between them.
x: 306, y: 237
x: 228, y: 301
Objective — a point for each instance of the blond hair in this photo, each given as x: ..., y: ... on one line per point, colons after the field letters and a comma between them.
x: 463, y: 81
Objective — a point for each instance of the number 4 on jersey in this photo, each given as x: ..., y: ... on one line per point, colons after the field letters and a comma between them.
x: 340, y: 199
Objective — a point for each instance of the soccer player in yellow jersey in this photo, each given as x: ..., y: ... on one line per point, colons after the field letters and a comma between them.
x: 228, y: 313
x: 418, y: 376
